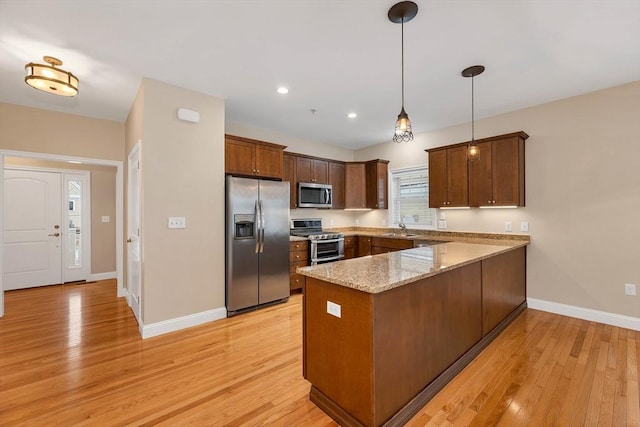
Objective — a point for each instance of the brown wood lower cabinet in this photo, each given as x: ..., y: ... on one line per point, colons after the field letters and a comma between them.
x: 298, y: 257
x: 383, y: 245
x: 390, y: 352
x: 364, y: 246
x: 350, y: 244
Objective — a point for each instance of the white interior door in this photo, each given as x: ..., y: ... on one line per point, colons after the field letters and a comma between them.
x: 32, y: 229
x: 133, y: 232
x: 77, y: 227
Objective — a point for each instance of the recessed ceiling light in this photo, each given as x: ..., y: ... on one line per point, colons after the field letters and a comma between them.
x: 352, y: 115
x: 283, y: 90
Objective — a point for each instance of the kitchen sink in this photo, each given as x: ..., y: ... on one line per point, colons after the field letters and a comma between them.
x: 399, y: 235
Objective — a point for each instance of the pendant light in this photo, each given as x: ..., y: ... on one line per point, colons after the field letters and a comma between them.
x: 400, y: 13
x: 51, y: 79
x: 473, y: 151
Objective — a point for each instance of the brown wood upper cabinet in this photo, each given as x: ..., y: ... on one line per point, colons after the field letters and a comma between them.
x: 497, y: 177
x: 448, y: 177
x: 312, y: 170
x: 250, y: 157
x: 289, y: 174
x: 377, y: 183
x: 337, y: 181
x: 355, y: 186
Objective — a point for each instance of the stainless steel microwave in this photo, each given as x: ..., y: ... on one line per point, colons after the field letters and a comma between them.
x: 312, y: 195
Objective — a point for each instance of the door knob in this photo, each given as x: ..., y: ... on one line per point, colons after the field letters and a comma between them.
x: 56, y: 226
x: 54, y: 234
x: 129, y: 240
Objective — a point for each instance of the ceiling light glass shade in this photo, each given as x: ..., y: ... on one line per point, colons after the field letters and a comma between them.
x: 51, y: 79
x: 473, y: 152
x: 403, y: 128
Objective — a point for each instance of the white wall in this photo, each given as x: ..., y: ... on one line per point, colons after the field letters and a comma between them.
x: 582, y: 195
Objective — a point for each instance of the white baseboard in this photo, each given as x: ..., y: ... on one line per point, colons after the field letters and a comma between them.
x: 613, y: 319
x: 171, y: 325
x: 102, y: 276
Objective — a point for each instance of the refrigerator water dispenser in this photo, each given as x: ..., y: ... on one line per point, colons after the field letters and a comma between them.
x: 244, y: 226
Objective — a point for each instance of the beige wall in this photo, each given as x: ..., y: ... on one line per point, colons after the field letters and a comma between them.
x: 43, y: 131
x: 182, y: 174
x: 103, y: 202
x: 582, y: 195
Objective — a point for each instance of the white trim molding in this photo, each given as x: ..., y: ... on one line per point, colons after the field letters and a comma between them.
x: 172, y: 325
x: 103, y: 276
x: 607, y: 318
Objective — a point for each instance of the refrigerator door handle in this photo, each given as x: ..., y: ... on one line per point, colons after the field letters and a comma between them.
x: 261, y: 227
x: 257, y: 227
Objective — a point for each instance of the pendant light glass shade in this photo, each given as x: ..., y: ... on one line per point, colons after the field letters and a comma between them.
x: 51, y: 79
x: 400, y: 13
x: 403, y: 128
x: 473, y: 151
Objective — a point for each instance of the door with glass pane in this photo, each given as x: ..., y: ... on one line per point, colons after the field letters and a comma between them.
x: 77, y: 229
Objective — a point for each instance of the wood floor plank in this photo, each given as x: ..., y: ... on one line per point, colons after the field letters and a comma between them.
x: 71, y: 355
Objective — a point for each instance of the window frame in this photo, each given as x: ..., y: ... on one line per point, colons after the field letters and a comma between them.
x: 391, y: 195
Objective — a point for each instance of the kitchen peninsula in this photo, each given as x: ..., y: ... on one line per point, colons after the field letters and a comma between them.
x: 384, y: 333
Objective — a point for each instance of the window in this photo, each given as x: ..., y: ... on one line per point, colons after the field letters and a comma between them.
x: 409, y: 196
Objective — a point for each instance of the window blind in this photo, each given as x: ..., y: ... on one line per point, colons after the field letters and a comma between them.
x: 410, y: 197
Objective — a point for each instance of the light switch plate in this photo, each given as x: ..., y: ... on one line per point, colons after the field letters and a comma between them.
x: 524, y: 226
x: 334, y: 309
x: 105, y: 218
x: 443, y: 216
x: 177, y: 222
x: 442, y: 225
x: 630, y: 289
x: 508, y: 226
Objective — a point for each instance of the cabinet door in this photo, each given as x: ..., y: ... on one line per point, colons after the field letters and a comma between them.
x: 337, y: 179
x: 457, y: 176
x: 507, y: 171
x: 364, y: 246
x: 304, y: 169
x: 437, y: 178
x: 480, y: 181
x: 268, y: 161
x: 289, y: 174
x: 355, y: 178
x: 321, y: 171
x: 239, y: 157
x: 377, y: 183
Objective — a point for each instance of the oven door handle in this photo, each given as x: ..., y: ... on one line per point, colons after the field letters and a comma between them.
x: 333, y: 258
x: 340, y: 239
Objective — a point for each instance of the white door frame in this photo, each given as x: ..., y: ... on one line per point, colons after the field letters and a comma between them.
x: 85, y: 160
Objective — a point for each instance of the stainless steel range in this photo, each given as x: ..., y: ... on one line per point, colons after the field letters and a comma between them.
x: 323, y: 246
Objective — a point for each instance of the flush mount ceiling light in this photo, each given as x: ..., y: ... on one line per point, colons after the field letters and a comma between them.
x: 400, y: 13
x: 282, y: 90
x: 51, y: 79
x: 352, y: 115
x: 473, y: 151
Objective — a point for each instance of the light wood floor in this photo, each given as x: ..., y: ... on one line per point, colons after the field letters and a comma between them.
x: 71, y: 355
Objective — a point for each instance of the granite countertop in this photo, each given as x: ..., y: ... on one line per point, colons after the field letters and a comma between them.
x: 379, y: 273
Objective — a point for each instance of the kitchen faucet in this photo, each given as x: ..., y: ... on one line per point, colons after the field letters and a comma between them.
x: 403, y: 227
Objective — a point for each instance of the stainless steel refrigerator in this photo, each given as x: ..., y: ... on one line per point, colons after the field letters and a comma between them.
x: 257, y: 240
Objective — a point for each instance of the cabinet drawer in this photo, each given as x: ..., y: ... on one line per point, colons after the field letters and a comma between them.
x: 299, y: 245
x: 298, y: 256
x: 296, y: 264
x: 296, y: 281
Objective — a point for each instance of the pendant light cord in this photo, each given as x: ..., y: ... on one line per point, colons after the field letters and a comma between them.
x: 472, y: 115
x: 402, y: 60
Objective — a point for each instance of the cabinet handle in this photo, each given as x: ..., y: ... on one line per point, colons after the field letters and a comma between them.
x: 258, y: 170
x: 297, y: 256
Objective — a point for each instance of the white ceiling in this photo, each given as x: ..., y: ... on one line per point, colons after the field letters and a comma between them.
x: 334, y: 56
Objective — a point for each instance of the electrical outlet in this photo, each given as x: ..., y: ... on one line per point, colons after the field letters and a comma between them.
x: 334, y: 309
x: 443, y: 216
x: 524, y: 226
x: 508, y: 226
x: 442, y: 225
x: 105, y: 218
x: 177, y: 222
x: 383, y: 222
x: 630, y: 289
x: 331, y: 222
x: 357, y: 222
